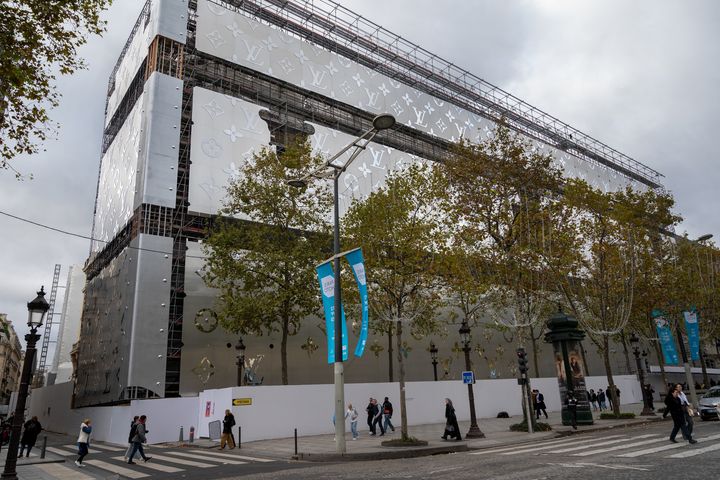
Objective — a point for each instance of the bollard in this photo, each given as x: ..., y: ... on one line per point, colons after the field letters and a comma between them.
x: 181, y: 433
x: 44, y: 447
x: 192, y: 434
x: 296, y: 442
x: 239, y: 445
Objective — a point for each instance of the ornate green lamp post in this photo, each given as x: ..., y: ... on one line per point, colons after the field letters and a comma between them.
x: 565, y: 337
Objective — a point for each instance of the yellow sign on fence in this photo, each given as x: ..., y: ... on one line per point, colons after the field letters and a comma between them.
x: 238, y: 402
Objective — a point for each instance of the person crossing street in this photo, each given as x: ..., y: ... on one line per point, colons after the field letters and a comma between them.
x: 139, y: 439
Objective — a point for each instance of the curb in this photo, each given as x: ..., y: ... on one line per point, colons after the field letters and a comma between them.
x: 396, y: 453
x: 600, y: 428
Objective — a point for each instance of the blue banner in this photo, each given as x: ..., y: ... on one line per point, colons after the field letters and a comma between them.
x: 666, y: 338
x: 326, y: 278
x: 693, y: 332
x: 358, y: 267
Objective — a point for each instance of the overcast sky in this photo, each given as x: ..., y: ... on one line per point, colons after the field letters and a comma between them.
x: 641, y: 76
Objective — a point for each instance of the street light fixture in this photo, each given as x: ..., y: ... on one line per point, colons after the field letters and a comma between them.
x: 240, y: 361
x: 466, y: 338
x: 434, y: 356
x: 381, y: 122
x: 647, y: 410
x: 36, y: 314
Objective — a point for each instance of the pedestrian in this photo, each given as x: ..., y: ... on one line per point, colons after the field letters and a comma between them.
x: 672, y: 401
x: 571, y: 403
x: 377, y: 418
x: 32, y: 429
x: 353, y: 415
x: 451, y: 425
x: 387, y: 409
x: 226, y: 438
x: 687, y: 409
x: 370, y: 415
x: 83, y: 441
x: 139, y: 439
x: 131, y: 434
x: 540, y: 405
x: 601, y: 399
x: 608, y: 394
x: 649, y: 391
x: 593, y: 400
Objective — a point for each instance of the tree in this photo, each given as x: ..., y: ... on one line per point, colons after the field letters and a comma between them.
x: 501, y: 193
x: 37, y: 39
x: 262, y: 262
x: 608, y: 234
x: 399, y: 229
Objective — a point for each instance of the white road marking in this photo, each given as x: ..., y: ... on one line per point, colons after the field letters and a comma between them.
x: 181, y: 461
x: 619, y: 447
x: 602, y: 444
x: 116, y: 469
x: 59, y: 451
x: 671, y: 446
x: 61, y: 472
x: 592, y: 441
x: 241, y: 457
x: 597, y: 465
x: 107, y: 447
x: 540, y: 444
x: 153, y: 466
x: 696, y: 451
x: 204, y: 457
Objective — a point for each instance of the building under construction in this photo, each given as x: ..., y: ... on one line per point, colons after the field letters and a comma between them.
x: 200, y: 86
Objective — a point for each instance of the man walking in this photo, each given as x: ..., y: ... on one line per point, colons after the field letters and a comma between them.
x: 139, y: 439
x: 227, y: 436
x: 687, y: 409
x: 377, y: 418
x: 370, y: 415
x: 601, y: 399
x: 387, y: 409
x: 540, y: 404
x: 672, y: 401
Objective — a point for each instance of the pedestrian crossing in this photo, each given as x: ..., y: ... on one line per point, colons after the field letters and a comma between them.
x: 105, y: 458
x: 615, y: 446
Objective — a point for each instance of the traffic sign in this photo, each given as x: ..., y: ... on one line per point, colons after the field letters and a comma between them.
x: 238, y: 402
x: 468, y: 377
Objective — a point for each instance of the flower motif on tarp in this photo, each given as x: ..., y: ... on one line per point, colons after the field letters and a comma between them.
x: 206, y: 320
x: 204, y: 370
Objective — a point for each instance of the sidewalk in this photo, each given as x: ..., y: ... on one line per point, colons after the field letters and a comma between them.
x: 497, y: 433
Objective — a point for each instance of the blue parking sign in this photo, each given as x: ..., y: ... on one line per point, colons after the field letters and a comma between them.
x: 468, y: 378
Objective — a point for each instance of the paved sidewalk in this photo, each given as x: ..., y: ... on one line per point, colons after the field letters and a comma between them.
x: 497, y: 433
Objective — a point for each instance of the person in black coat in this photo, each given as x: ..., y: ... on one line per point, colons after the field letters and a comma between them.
x: 32, y: 429
x: 227, y: 436
x: 370, y: 409
x: 674, y: 407
x: 451, y: 425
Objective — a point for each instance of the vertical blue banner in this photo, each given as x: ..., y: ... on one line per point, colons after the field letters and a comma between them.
x: 693, y: 332
x: 358, y: 267
x: 326, y: 277
x: 666, y: 338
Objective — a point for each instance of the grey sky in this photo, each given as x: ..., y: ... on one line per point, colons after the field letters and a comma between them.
x: 641, y: 76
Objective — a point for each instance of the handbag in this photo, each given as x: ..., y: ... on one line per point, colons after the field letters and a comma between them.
x: 449, y: 428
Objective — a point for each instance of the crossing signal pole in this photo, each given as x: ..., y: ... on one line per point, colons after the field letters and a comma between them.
x: 525, y: 384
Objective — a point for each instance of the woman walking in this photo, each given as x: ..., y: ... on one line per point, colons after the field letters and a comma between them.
x: 227, y: 438
x: 29, y: 436
x: 83, y: 441
x: 138, y: 440
x: 131, y: 434
x: 451, y: 426
x: 353, y: 414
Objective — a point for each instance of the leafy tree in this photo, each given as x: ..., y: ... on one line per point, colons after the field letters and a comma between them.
x: 37, y: 39
x: 262, y: 263
x: 399, y: 229
x: 502, y: 191
x: 607, y: 235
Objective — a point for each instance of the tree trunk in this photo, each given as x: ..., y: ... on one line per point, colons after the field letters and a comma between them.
x: 608, y: 373
x: 283, y: 350
x: 628, y: 365
x: 390, y: 352
x: 661, y: 362
x: 706, y: 380
x: 401, y: 375
x: 533, y: 341
x: 585, y: 362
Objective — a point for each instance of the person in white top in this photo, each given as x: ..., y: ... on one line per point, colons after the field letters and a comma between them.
x: 353, y: 414
x: 83, y: 441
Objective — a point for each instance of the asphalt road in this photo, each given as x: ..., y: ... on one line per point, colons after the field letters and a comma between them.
x: 638, y: 453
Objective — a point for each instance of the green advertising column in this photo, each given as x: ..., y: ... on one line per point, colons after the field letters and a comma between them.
x: 565, y: 337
